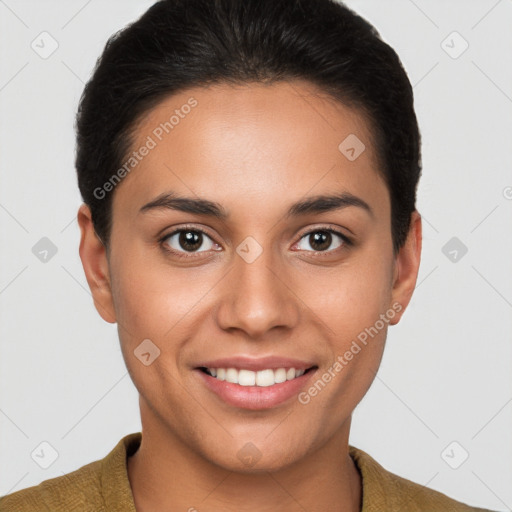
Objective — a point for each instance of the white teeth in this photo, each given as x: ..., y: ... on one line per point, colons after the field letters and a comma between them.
x: 246, y: 378
x: 265, y: 377
x: 280, y: 375
x: 261, y: 378
x: 232, y: 375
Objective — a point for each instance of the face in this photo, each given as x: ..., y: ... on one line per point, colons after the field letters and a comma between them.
x: 264, y: 274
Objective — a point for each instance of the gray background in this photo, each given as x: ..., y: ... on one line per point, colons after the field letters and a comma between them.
x: 445, y: 375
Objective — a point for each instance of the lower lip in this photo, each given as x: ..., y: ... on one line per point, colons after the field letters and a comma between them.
x: 255, y: 397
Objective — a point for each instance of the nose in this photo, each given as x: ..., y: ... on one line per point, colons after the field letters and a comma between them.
x: 257, y: 296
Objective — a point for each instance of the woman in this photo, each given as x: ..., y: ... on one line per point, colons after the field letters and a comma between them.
x: 249, y: 174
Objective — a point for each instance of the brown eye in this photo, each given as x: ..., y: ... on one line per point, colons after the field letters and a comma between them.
x: 189, y: 240
x: 321, y: 240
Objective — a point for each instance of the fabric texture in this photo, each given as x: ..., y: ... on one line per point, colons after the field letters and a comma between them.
x: 103, y: 486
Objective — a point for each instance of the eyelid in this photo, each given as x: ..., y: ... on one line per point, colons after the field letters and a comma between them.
x: 187, y: 227
x: 176, y: 230
x: 347, y: 241
x: 331, y: 228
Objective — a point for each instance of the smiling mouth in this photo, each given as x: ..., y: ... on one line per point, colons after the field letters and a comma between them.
x: 262, y: 378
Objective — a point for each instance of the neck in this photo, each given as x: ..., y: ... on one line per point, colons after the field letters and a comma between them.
x: 165, y: 474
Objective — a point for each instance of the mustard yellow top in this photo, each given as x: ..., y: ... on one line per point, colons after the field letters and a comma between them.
x: 103, y: 486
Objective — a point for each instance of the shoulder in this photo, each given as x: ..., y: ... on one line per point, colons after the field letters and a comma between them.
x: 82, y: 490
x: 383, y: 490
x: 71, y: 491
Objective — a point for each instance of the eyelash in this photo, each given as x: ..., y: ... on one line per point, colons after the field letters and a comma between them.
x: 347, y: 242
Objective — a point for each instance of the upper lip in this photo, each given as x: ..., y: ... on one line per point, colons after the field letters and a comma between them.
x: 257, y: 364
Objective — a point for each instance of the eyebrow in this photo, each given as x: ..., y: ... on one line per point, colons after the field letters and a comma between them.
x: 199, y: 206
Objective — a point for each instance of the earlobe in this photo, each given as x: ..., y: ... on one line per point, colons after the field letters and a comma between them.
x: 407, y: 265
x: 95, y: 263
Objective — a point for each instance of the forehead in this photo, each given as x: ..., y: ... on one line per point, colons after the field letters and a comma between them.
x: 250, y: 138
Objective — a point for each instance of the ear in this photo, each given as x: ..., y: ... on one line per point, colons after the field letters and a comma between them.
x: 94, y: 260
x: 407, y: 264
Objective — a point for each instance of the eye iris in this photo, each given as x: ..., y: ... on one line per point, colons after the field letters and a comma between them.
x: 322, y: 238
x: 190, y: 240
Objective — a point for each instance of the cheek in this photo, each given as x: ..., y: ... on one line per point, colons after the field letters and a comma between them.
x: 154, y: 301
x: 149, y: 296
x: 136, y: 303
x: 351, y: 297
x: 356, y: 310
x: 145, y: 309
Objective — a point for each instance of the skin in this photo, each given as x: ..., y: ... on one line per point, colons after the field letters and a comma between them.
x: 255, y: 149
